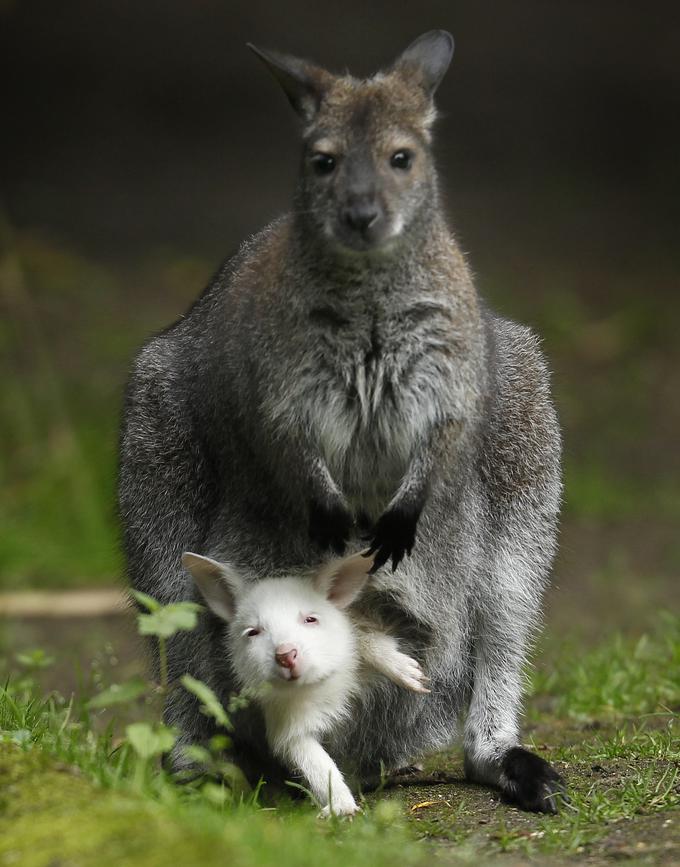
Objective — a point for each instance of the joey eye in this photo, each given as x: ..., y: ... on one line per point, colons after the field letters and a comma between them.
x: 401, y: 159
x: 251, y: 632
x: 311, y: 619
x: 323, y: 163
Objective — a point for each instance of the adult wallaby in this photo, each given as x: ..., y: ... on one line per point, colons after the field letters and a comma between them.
x: 340, y: 378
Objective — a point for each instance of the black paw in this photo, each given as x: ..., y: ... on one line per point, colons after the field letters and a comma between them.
x: 393, y: 536
x: 330, y: 525
x: 531, y: 783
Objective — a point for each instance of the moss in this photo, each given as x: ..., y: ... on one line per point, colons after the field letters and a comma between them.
x: 49, y: 814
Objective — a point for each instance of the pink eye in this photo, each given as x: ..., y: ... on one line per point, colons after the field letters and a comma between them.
x: 252, y: 632
x: 311, y: 619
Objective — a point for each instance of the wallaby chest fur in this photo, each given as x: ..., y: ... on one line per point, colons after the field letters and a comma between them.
x: 365, y: 358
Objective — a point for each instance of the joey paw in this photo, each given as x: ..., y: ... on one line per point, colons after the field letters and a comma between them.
x: 393, y: 536
x: 531, y: 783
x: 407, y: 672
x: 330, y: 525
x: 347, y: 809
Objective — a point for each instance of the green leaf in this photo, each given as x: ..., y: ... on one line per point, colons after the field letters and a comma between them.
x: 148, y: 742
x: 197, y: 754
x: 119, y: 693
x: 219, y: 743
x: 169, y: 619
x: 21, y: 737
x: 34, y: 659
x: 234, y: 777
x: 216, y: 794
x: 145, y: 600
x: 210, y: 704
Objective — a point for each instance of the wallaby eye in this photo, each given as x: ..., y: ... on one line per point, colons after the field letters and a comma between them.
x: 251, y: 632
x: 311, y: 619
x: 401, y: 159
x: 323, y: 163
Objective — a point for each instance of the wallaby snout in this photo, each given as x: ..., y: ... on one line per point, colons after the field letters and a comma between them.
x: 361, y: 217
x: 286, y: 656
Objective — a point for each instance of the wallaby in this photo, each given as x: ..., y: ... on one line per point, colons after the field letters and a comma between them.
x: 340, y: 379
x: 297, y: 637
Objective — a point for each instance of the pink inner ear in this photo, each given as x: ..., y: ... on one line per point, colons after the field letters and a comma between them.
x: 344, y: 579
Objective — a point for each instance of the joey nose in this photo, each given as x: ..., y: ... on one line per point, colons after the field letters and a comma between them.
x: 361, y: 217
x: 286, y: 655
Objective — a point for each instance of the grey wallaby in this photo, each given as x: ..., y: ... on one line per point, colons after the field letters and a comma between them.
x: 341, y: 380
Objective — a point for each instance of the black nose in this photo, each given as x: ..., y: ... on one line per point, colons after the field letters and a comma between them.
x: 361, y: 217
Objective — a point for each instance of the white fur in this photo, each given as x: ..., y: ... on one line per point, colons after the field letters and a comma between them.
x: 300, y: 709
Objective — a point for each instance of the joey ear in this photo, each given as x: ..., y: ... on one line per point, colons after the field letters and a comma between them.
x: 303, y: 83
x: 341, y: 581
x: 427, y: 59
x: 220, y: 584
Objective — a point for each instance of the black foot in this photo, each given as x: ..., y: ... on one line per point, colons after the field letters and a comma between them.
x: 531, y: 783
x: 330, y: 525
x: 393, y: 536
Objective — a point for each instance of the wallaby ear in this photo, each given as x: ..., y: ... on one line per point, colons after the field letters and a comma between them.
x: 427, y: 59
x: 303, y: 83
x: 341, y: 581
x: 220, y: 584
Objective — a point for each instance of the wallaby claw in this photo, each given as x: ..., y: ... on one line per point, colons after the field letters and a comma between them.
x: 330, y: 525
x: 532, y: 783
x: 393, y: 537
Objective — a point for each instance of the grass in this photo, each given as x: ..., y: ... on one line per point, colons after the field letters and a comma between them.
x: 51, y: 815
x: 619, y: 750
x: 620, y: 678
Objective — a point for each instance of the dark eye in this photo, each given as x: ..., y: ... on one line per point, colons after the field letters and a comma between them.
x: 401, y: 159
x: 252, y: 632
x: 311, y: 619
x: 323, y: 163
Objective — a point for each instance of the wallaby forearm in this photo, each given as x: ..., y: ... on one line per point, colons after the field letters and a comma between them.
x: 322, y: 775
x: 395, y: 532
x: 380, y: 651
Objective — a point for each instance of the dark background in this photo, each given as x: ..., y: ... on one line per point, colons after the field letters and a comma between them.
x: 141, y: 142
x: 132, y: 124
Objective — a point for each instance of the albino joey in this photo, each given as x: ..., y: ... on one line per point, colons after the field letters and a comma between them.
x: 293, y: 643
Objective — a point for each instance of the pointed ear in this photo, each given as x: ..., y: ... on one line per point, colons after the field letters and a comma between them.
x: 220, y: 585
x: 303, y: 83
x: 426, y: 60
x: 341, y: 581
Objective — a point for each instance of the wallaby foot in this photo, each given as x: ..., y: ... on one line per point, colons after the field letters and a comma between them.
x: 408, y: 770
x: 530, y: 782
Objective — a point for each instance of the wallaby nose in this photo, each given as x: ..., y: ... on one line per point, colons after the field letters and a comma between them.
x: 286, y: 655
x: 361, y: 217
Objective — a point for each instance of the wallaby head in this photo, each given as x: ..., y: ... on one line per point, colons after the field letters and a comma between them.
x: 284, y: 631
x: 367, y: 172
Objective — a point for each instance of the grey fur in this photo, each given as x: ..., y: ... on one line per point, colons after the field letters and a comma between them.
x: 366, y: 381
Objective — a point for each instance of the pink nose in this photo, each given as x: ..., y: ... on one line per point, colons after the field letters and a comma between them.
x: 286, y: 655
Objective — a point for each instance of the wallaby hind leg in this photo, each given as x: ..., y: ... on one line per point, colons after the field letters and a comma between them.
x: 381, y: 652
x: 493, y: 754
x: 166, y: 492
